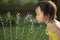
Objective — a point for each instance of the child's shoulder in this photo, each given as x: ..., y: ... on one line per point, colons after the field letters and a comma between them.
x: 57, y: 23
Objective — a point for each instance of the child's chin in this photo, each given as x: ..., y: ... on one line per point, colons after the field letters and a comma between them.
x: 39, y: 22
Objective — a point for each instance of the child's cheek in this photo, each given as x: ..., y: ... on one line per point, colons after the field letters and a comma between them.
x: 39, y: 19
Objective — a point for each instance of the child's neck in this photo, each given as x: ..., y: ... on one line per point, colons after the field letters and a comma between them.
x: 50, y: 26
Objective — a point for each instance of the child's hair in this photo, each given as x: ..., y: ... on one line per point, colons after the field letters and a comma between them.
x: 48, y: 8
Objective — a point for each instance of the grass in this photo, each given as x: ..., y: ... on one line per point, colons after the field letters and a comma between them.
x: 22, y: 31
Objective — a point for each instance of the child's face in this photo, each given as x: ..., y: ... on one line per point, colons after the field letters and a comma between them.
x: 39, y: 15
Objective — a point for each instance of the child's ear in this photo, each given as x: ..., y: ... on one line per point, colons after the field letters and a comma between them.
x: 46, y: 16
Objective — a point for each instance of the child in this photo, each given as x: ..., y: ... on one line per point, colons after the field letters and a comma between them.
x: 46, y: 12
